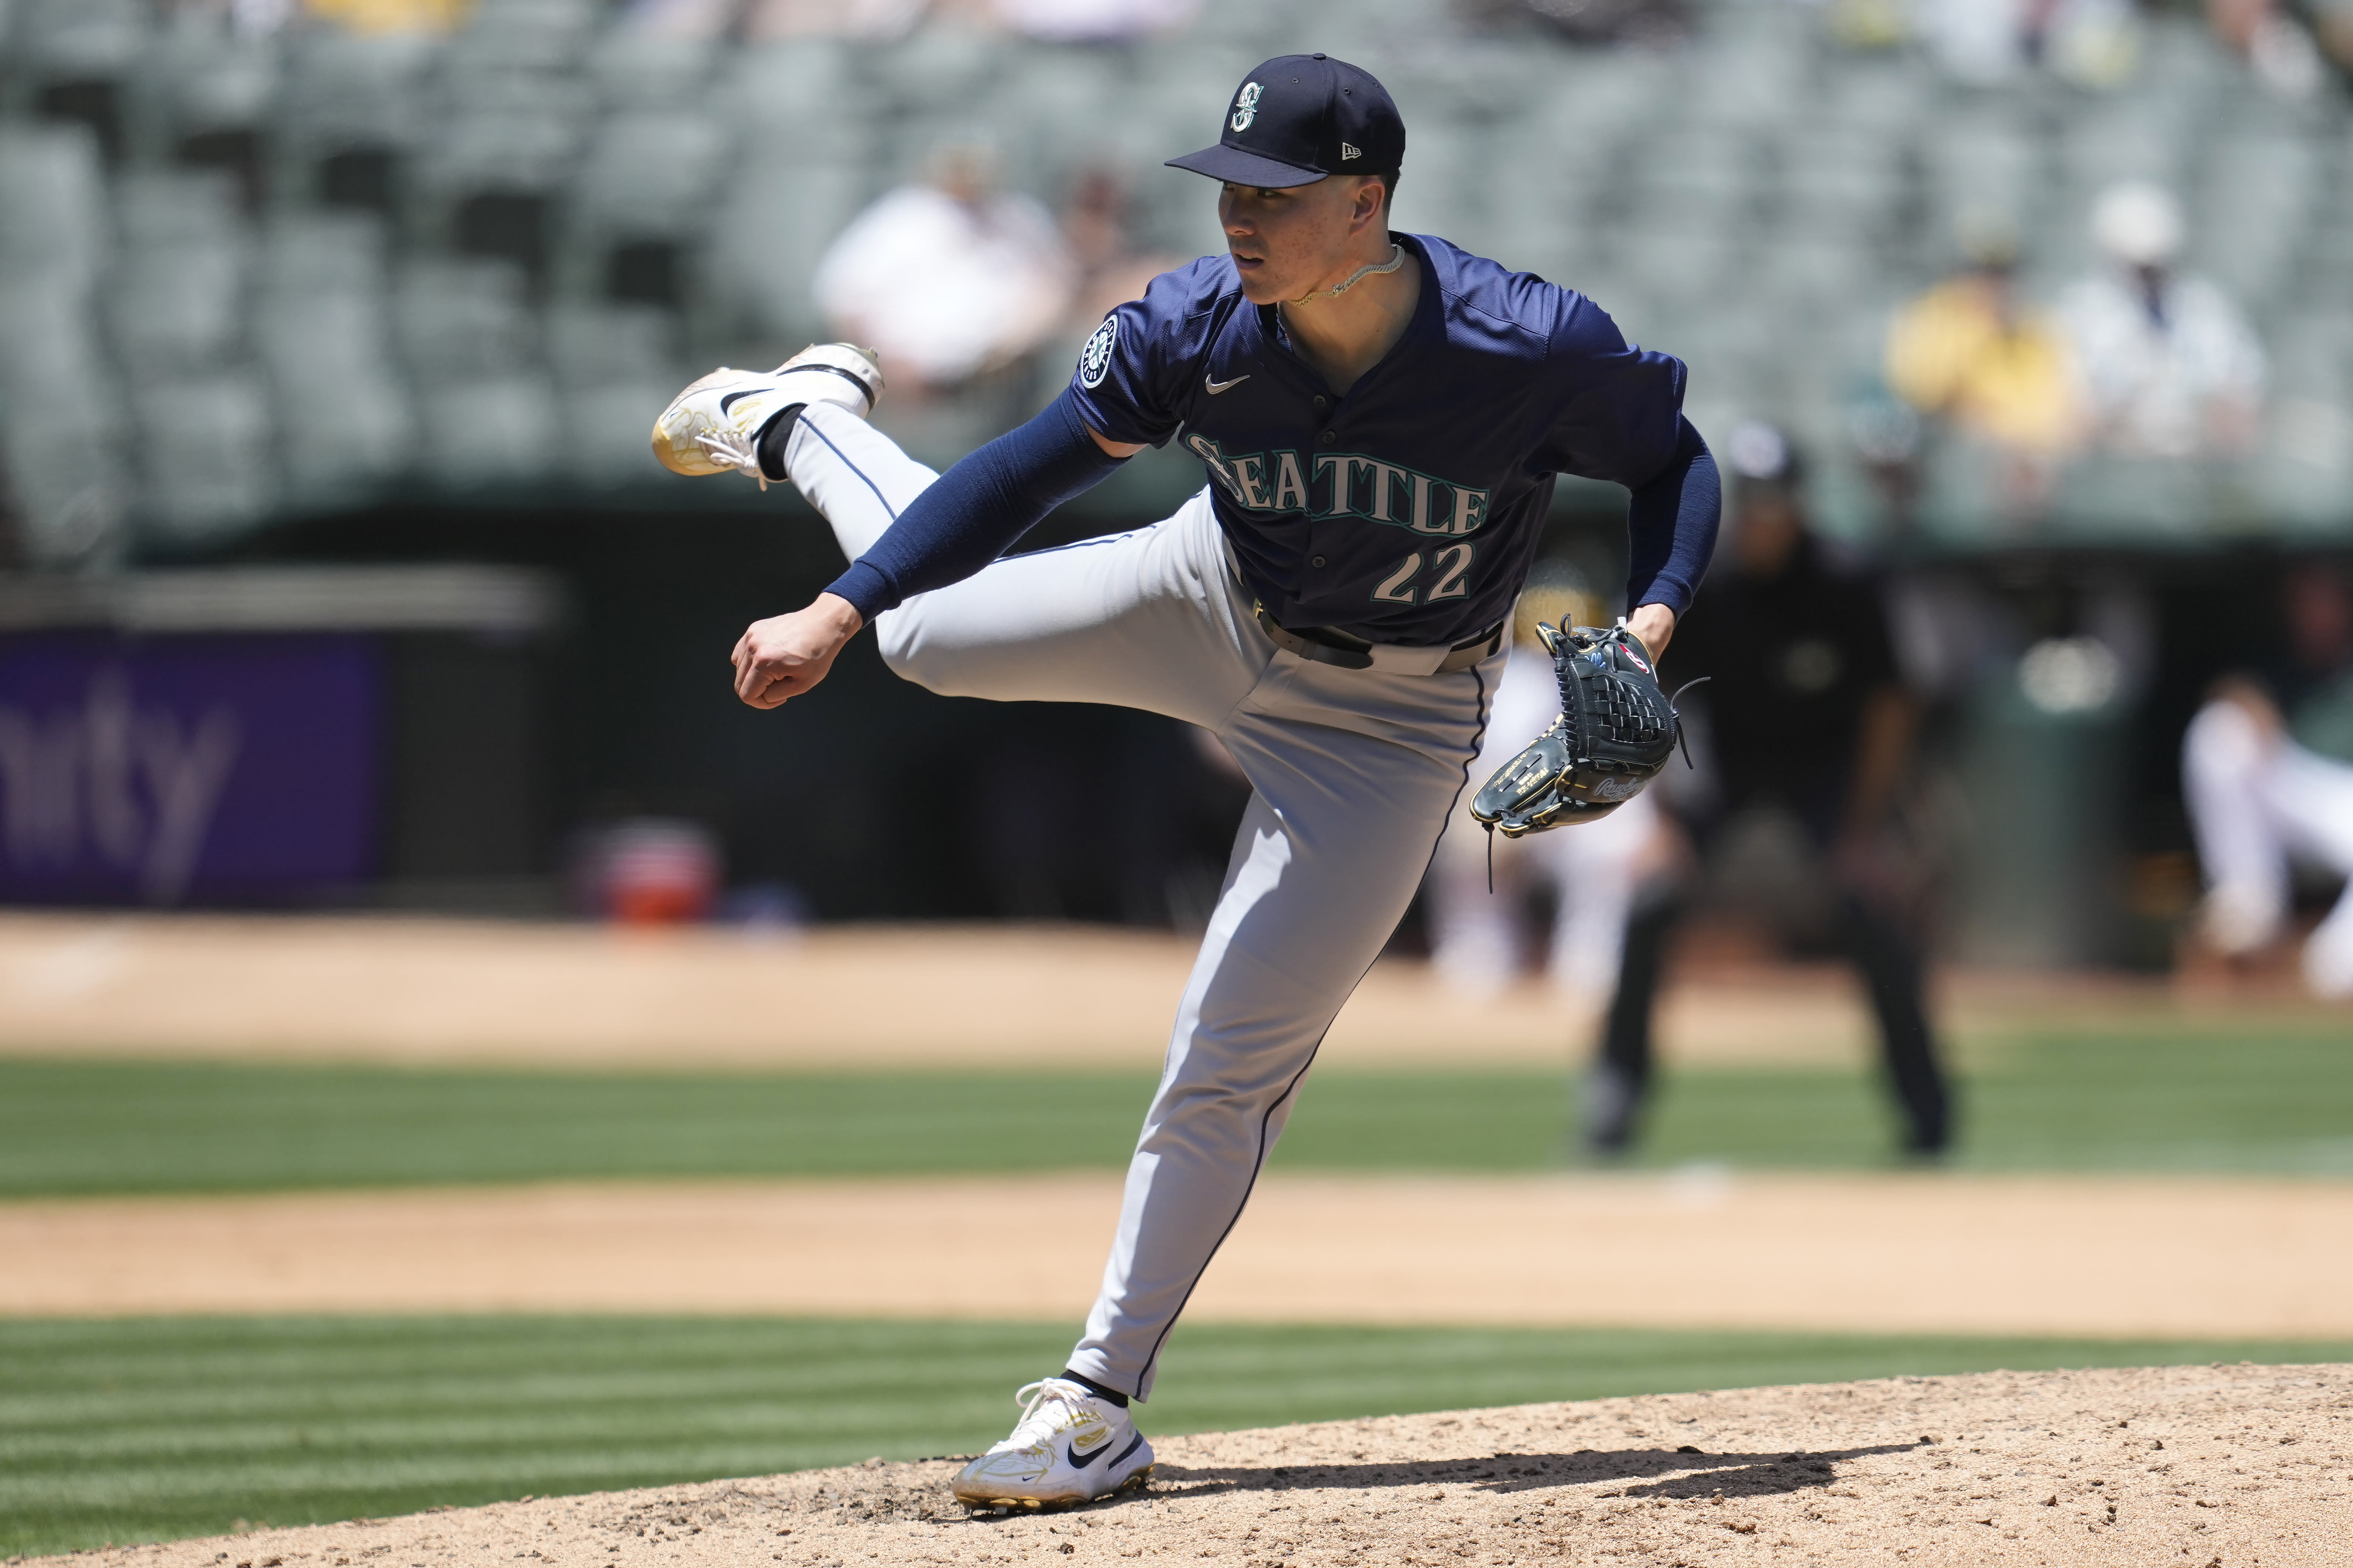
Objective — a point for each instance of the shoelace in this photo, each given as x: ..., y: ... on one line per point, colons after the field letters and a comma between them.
x: 731, y: 451
x: 1047, y: 1390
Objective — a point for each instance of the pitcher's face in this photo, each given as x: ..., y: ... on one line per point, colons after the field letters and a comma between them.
x: 1288, y: 243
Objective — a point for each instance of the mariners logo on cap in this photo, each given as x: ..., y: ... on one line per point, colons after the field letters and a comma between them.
x: 1094, y: 360
x: 1245, y: 107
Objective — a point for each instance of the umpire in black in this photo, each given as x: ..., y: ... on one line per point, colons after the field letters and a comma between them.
x: 1808, y: 718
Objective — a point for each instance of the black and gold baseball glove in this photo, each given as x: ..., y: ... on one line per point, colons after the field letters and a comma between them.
x: 1615, y: 731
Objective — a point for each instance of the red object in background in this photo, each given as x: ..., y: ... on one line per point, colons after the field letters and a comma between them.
x: 654, y: 871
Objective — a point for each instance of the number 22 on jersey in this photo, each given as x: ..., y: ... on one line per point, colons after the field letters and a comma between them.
x: 1449, y: 572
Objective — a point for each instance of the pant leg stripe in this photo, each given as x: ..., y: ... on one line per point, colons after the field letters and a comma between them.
x: 1143, y: 1378
x: 848, y: 463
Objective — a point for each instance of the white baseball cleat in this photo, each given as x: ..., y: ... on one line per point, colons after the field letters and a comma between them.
x: 1068, y: 1447
x: 714, y: 426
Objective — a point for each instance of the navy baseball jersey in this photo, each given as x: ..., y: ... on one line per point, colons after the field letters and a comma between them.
x: 1408, y: 510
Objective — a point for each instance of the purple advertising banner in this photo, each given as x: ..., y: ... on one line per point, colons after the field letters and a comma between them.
x: 173, y: 769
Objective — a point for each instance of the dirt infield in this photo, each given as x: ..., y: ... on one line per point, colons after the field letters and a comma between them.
x: 418, y: 990
x: 2208, y: 1468
x: 1928, y: 1253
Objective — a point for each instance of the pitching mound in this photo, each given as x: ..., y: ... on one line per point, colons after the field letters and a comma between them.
x: 2244, y: 1465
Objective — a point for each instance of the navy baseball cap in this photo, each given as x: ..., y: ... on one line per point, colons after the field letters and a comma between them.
x: 1299, y: 118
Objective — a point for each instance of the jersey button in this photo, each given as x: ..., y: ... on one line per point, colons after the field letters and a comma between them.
x: 1323, y: 403
x: 1316, y: 561
x: 1326, y: 438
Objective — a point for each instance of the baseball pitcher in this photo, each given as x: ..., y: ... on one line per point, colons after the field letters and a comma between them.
x: 1380, y: 417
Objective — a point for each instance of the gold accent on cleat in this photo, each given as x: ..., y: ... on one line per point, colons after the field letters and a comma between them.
x: 714, y: 426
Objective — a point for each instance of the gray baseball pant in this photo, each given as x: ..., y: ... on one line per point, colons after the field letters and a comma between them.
x: 1352, y: 774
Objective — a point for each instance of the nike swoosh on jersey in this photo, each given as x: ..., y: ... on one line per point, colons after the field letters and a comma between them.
x: 1215, y: 387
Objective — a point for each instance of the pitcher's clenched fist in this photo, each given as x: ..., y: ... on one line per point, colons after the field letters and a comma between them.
x: 784, y: 655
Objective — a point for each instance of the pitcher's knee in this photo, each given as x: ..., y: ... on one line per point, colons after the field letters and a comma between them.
x: 910, y: 654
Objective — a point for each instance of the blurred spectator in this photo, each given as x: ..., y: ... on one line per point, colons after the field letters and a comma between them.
x: 2332, y: 28
x: 1809, y: 726
x: 1650, y: 22
x: 1093, y: 21
x: 2290, y: 44
x: 948, y: 278
x: 391, y: 16
x: 247, y: 18
x: 2267, y: 772
x: 2093, y: 42
x: 2170, y: 365
x: 871, y: 21
x: 1110, y: 268
x: 1970, y: 353
x: 691, y: 19
x: 1479, y: 889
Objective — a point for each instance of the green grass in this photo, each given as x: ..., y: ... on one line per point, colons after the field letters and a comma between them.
x: 165, y: 1127
x: 2277, y: 1101
x: 151, y: 1429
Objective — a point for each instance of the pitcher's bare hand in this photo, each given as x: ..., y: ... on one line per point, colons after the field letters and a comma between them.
x: 780, y: 658
x: 1655, y: 625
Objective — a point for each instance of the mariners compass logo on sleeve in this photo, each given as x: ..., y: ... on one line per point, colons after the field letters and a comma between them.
x: 1094, y: 360
x: 1245, y: 107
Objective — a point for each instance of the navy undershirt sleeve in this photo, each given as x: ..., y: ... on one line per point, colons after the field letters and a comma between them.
x: 1671, y: 526
x: 973, y: 513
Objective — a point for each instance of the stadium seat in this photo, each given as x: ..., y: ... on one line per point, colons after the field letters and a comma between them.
x: 353, y: 107
x: 469, y: 339
x: 322, y: 330
x: 176, y: 297
x: 305, y: 253
x: 764, y: 247
x: 1702, y: 171
x: 61, y: 401
x: 644, y: 188
x: 799, y: 100
x: 637, y: 71
x: 342, y: 410
x: 616, y: 367
x: 492, y: 431
x: 650, y: 170
x: 1682, y: 258
x: 1839, y: 181
x: 203, y: 96
x: 487, y: 184
x: 1979, y: 167
x: 2305, y: 469
x: 2254, y: 211
x: 1753, y: 67
x: 529, y: 35
x: 73, y: 58
x: 463, y: 319
x: 53, y: 218
x: 204, y: 449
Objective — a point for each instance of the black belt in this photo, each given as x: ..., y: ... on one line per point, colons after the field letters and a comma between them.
x: 1324, y: 646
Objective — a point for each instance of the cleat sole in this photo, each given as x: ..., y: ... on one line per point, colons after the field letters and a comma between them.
x: 1134, y: 1483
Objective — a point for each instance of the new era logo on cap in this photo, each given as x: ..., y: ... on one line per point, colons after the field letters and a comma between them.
x: 1299, y: 118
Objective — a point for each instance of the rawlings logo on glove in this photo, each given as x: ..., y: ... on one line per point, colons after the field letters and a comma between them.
x: 1615, y: 731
